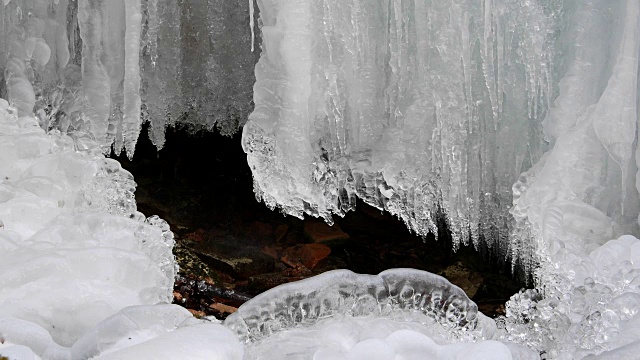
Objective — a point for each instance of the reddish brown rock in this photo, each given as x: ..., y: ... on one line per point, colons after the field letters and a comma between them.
x: 222, y: 308
x: 298, y: 272
x: 307, y: 255
x: 197, y: 313
x: 271, y: 251
x: 320, y: 232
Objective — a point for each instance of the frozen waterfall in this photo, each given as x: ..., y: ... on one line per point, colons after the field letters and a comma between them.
x: 515, y: 121
x: 420, y: 108
x: 105, y: 66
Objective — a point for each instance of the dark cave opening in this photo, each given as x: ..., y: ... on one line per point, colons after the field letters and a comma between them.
x: 236, y: 247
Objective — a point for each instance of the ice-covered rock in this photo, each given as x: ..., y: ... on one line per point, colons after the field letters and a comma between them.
x: 74, y: 249
x: 398, y: 314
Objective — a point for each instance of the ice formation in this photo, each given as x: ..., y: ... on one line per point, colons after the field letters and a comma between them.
x: 398, y: 314
x: 81, y: 268
x: 106, y: 66
x: 417, y: 107
x: 515, y: 120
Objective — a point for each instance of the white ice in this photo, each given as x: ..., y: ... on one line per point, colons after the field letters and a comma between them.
x: 398, y: 314
x: 516, y: 119
x: 81, y: 269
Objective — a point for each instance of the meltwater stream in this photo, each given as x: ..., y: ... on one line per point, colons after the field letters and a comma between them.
x: 517, y: 119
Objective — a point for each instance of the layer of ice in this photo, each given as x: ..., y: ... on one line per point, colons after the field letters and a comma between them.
x: 398, y: 314
x: 582, y: 195
x: 106, y: 66
x: 417, y: 107
x: 76, y: 257
x: 422, y: 108
x: 197, y: 65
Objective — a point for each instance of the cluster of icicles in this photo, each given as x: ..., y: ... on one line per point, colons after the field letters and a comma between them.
x: 514, y: 120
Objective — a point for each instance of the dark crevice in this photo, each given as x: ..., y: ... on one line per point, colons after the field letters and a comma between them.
x: 201, y: 184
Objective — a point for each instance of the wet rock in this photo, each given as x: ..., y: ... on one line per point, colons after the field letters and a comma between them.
x: 197, y: 313
x: 492, y: 309
x: 319, y: 232
x: 240, y: 261
x: 297, y: 272
x: 272, y: 251
x: 223, y: 309
x: 177, y: 297
x: 463, y: 277
x: 307, y: 255
x: 189, y: 262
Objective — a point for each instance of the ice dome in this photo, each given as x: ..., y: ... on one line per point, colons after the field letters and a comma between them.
x: 397, y: 314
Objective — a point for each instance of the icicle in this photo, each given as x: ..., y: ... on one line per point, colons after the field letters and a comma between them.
x: 251, y: 25
x: 615, y: 115
x: 132, y: 103
x: 95, y: 79
x: 113, y: 58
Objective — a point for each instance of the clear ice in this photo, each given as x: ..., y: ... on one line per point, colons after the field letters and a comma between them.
x: 421, y: 108
x: 107, y: 66
x: 515, y: 121
x: 397, y: 314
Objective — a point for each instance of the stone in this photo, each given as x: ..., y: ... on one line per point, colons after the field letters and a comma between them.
x: 319, y: 232
x: 307, y: 255
x: 222, y: 308
x: 464, y: 278
x: 197, y: 313
x: 293, y: 238
x: 240, y: 261
x: 271, y: 251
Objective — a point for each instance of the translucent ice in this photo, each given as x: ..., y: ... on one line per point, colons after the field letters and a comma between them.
x: 420, y: 108
x: 108, y: 66
x: 398, y: 314
x: 423, y: 108
x: 74, y: 250
x: 514, y: 120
